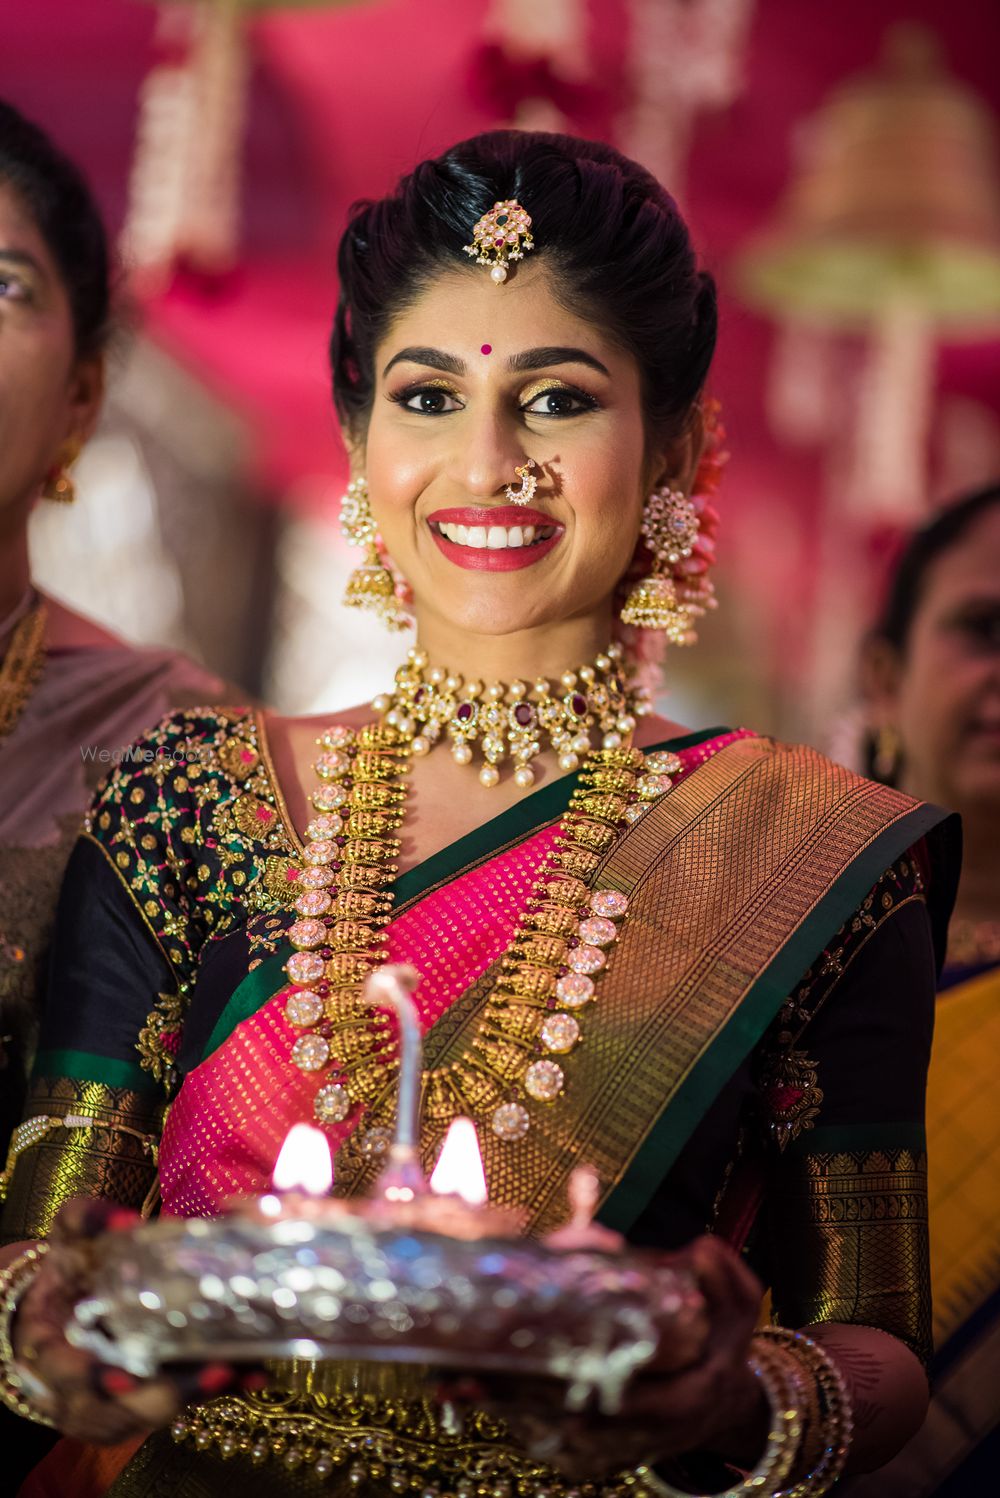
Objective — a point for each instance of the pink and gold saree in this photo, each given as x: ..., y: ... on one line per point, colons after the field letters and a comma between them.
x: 765, y: 878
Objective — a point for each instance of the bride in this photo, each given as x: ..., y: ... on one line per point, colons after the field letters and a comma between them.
x: 702, y: 961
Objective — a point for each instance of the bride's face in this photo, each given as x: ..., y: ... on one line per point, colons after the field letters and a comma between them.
x: 472, y: 380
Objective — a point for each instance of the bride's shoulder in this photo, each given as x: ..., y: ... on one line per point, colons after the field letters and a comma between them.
x: 206, y: 735
x: 197, y: 745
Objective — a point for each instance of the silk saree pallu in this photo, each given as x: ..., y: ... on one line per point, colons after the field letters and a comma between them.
x: 735, y: 881
x: 957, y: 1450
x: 734, y: 884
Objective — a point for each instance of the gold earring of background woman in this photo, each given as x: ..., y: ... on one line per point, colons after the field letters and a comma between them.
x: 887, y: 753
x: 59, y: 486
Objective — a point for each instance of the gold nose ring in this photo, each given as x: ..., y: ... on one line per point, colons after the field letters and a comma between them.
x: 528, y: 485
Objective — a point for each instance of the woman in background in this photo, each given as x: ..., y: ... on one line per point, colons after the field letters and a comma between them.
x: 71, y: 694
x: 933, y: 681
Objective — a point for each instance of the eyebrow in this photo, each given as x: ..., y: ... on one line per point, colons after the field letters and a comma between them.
x: 541, y: 358
x: 21, y: 257
x: 434, y: 358
x: 530, y: 359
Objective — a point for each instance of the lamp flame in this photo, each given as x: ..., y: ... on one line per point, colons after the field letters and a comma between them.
x: 304, y: 1162
x: 459, y: 1170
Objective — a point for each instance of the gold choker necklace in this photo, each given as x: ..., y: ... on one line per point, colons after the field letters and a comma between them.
x: 514, y: 721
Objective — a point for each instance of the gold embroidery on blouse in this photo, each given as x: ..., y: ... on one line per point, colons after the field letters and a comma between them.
x: 788, y: 1081
x: 192, y: 832
x: 159, y: 1038
x: 239, y: 758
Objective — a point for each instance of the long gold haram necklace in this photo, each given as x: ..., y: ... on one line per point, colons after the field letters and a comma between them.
x: 547, y: 977
x: 21, y: 666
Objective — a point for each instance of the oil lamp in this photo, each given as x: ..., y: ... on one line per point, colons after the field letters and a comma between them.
x: 419, y: 1273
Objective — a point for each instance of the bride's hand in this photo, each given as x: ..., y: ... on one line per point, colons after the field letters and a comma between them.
x: 714, y: 1405
x: 86, y: 1398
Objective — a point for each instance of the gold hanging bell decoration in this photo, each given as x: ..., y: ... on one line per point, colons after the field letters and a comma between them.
x: 897, y: 191
x: 890, y: 229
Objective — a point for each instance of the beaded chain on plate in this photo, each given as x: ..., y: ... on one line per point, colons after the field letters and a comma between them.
x: 383, y: 1445
x: 534, y: 1012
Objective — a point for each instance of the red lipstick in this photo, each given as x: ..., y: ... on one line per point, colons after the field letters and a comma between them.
x: 488, y: 559
x: 498, y: 515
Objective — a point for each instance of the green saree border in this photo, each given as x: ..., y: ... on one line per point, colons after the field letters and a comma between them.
x: 88, y: 1066
x: 684, y: 1109
x: 523, y: 818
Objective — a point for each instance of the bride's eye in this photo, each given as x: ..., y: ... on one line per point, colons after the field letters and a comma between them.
x: 12, y: 288
x: 559, y: 402
x: 428, y: 400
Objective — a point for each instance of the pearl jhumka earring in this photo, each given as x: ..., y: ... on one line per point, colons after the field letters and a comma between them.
x: 371, y: 585
x: 667, y: 599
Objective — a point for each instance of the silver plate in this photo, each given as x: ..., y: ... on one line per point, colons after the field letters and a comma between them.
x: 246, y: 1291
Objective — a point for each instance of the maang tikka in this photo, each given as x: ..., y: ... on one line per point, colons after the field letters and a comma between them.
x: 501, y: 235
x: 662, y: 600
x: 371, y: 585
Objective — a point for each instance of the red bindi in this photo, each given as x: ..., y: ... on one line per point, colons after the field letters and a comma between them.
x: 487, y: 348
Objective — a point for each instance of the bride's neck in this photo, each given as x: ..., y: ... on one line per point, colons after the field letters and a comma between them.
x: 546, y: 651
x: 15, y: 573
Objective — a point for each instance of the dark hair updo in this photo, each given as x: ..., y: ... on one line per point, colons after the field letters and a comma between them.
x: 923, y: 549
x: 612, y: 238
x: 55, y: 194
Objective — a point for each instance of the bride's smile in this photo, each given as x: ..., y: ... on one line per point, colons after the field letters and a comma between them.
x: 498, y: 539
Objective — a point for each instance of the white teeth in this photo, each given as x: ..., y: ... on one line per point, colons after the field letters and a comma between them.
x: 494, y: 537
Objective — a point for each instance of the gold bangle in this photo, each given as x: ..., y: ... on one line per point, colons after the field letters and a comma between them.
x: 14, y: 1281
x: 834, y: 1408
x: 783, y: 1438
